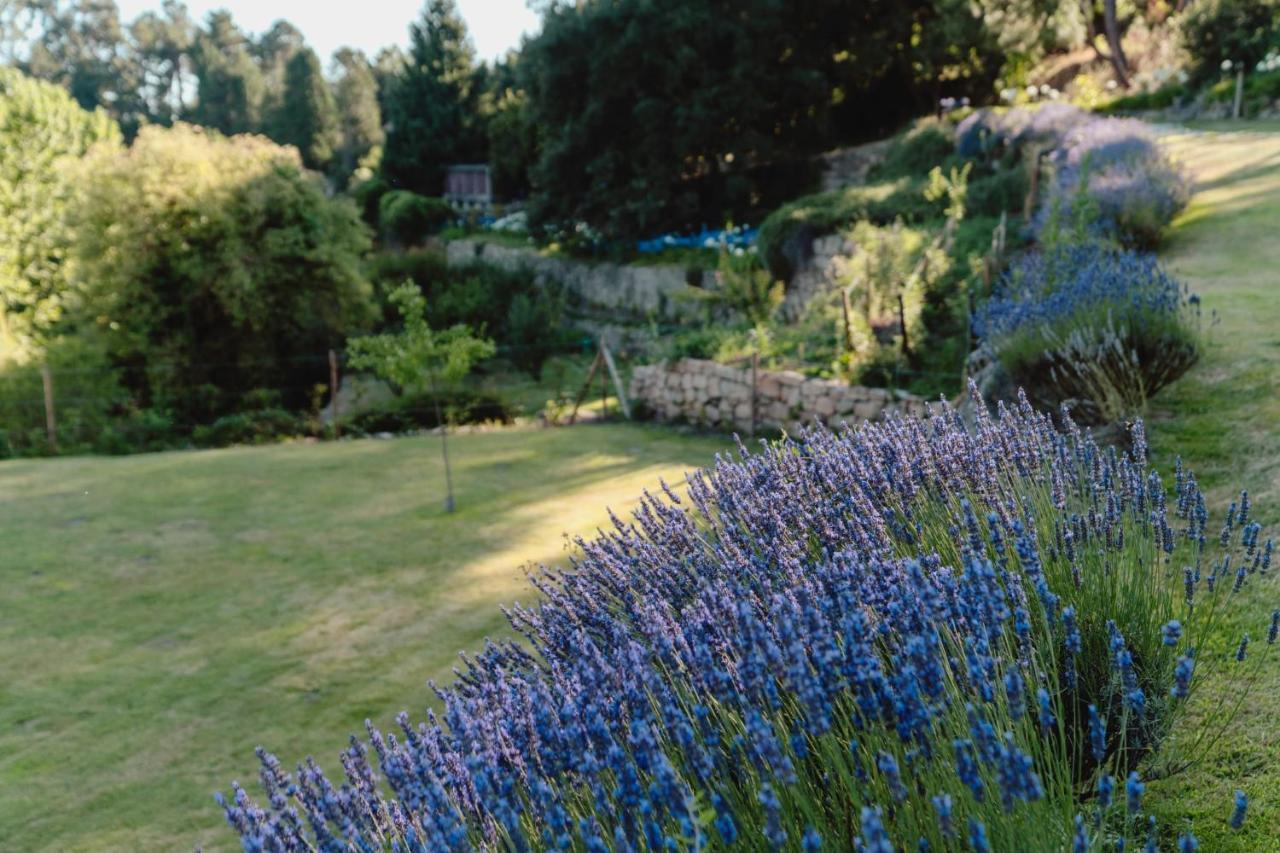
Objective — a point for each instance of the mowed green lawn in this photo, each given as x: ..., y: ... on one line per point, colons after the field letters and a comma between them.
x: 1223, y: 418
x: 162, y: 615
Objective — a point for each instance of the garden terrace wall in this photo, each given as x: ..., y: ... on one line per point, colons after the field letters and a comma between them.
x: 720, y: 395
x: 618, y: 292
x: 821, y: 273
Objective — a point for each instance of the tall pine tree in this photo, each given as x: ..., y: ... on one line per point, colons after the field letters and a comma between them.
x: 359, y: 116
x: 307, y: 118
x: 229, y: 83
x: 430, y: 107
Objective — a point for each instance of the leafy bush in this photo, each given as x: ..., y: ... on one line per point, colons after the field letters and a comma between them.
x: 1001, y: 191
x: 892, y: 637
x: 409, y: 218
x: 213, y: 266
x: 1096, y: 328
x: 1239, y: 31
x: 41, y: 127
x: 368, y: 197
x: 522, y: 316
x: 88, y: 397
x: 915, y: 152
x: 257, y: 426
x: 419, y: 411
x: 1158, y: 99
x: 785, y: 235
x: 743, y: 288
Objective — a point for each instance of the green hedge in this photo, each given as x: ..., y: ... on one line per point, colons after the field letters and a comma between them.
x: 408, y: 218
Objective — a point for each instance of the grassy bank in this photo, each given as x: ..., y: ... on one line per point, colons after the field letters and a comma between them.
x: 1223, y: 418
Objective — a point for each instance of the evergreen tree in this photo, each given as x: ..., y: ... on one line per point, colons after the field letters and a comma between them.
x: 229, y: 83
x: 161, y: 44
x: 307, y: 118
x: 431, y: 104
x: 359, y: 116
x: 273, y: 51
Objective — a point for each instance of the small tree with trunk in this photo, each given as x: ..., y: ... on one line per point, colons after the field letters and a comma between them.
x: 418, y: 356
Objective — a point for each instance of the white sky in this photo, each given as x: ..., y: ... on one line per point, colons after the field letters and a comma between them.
x: 495, y: 25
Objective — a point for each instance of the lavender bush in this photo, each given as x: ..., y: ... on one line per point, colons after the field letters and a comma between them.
x: 1134, y: 189
x: 910, y: 634
x: 1093, y: 326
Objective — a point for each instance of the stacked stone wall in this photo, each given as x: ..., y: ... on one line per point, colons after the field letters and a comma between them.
x: 720, y: 395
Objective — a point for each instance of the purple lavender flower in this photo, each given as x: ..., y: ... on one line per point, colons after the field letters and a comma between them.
x: 1106, y: 789
x: 1097, y: 734
x: 1047, y: 719
x: 773, y: 831
x: 1133, y: 790
x: 978, y: 836
x: 1188, y: 843
x: 874, y: 836
x: 1274, y: 630
x: 1238, y: 815
x: 1080, y: 841
x: 1240, y: 650
x: 1171, y: 632
x: 943, y: 805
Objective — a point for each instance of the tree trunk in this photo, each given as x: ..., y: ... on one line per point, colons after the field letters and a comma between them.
x: 1113, y: 42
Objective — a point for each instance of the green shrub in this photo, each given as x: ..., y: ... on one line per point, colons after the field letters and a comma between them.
x: 368, y: 197
x: 1160, y: 99
x: 1239, y: 31
x: 929, y: 143
x: 41, y: 125
x: 138, y: 431
x: 526, y: 319
x: 88, y: 396
x: 785, y: 235
x: 409, y: 218
x: 219, y: 263
x: 1004, y: 190
x: 420, y: 411
x: 259, y: 426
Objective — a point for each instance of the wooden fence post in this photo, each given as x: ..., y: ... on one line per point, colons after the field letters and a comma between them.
x: 755, y: 372
x: 617, y: 381
x: 333, y: 393
x: 50, y: 421
x: 1239, y: 101
x: 902, y: 321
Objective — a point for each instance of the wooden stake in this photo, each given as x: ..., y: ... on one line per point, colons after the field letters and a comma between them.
x: 449, y: 504
x: 586, y: 386
x: 50, y: 421
x: 1029, y: 206
x: 333, y: 393
x: 1239, y: 103
x: 755, y: 372
x: 902, y: 321
x: 617, y: 381
x: 847, y: 309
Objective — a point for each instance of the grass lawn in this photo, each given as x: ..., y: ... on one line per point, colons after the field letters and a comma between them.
x: 1224, y: 420
x: 161, y: 615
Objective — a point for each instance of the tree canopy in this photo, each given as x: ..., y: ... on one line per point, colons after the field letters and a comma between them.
x: 430, y: 107
x: 307, y: 118
x: 215, y: 266
x: 41, y: 129
x: 656, y: 114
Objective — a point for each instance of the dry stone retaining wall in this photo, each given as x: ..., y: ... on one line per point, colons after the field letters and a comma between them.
x: 617, y: 292
x: 823, y: 272
x: 719, y: 395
